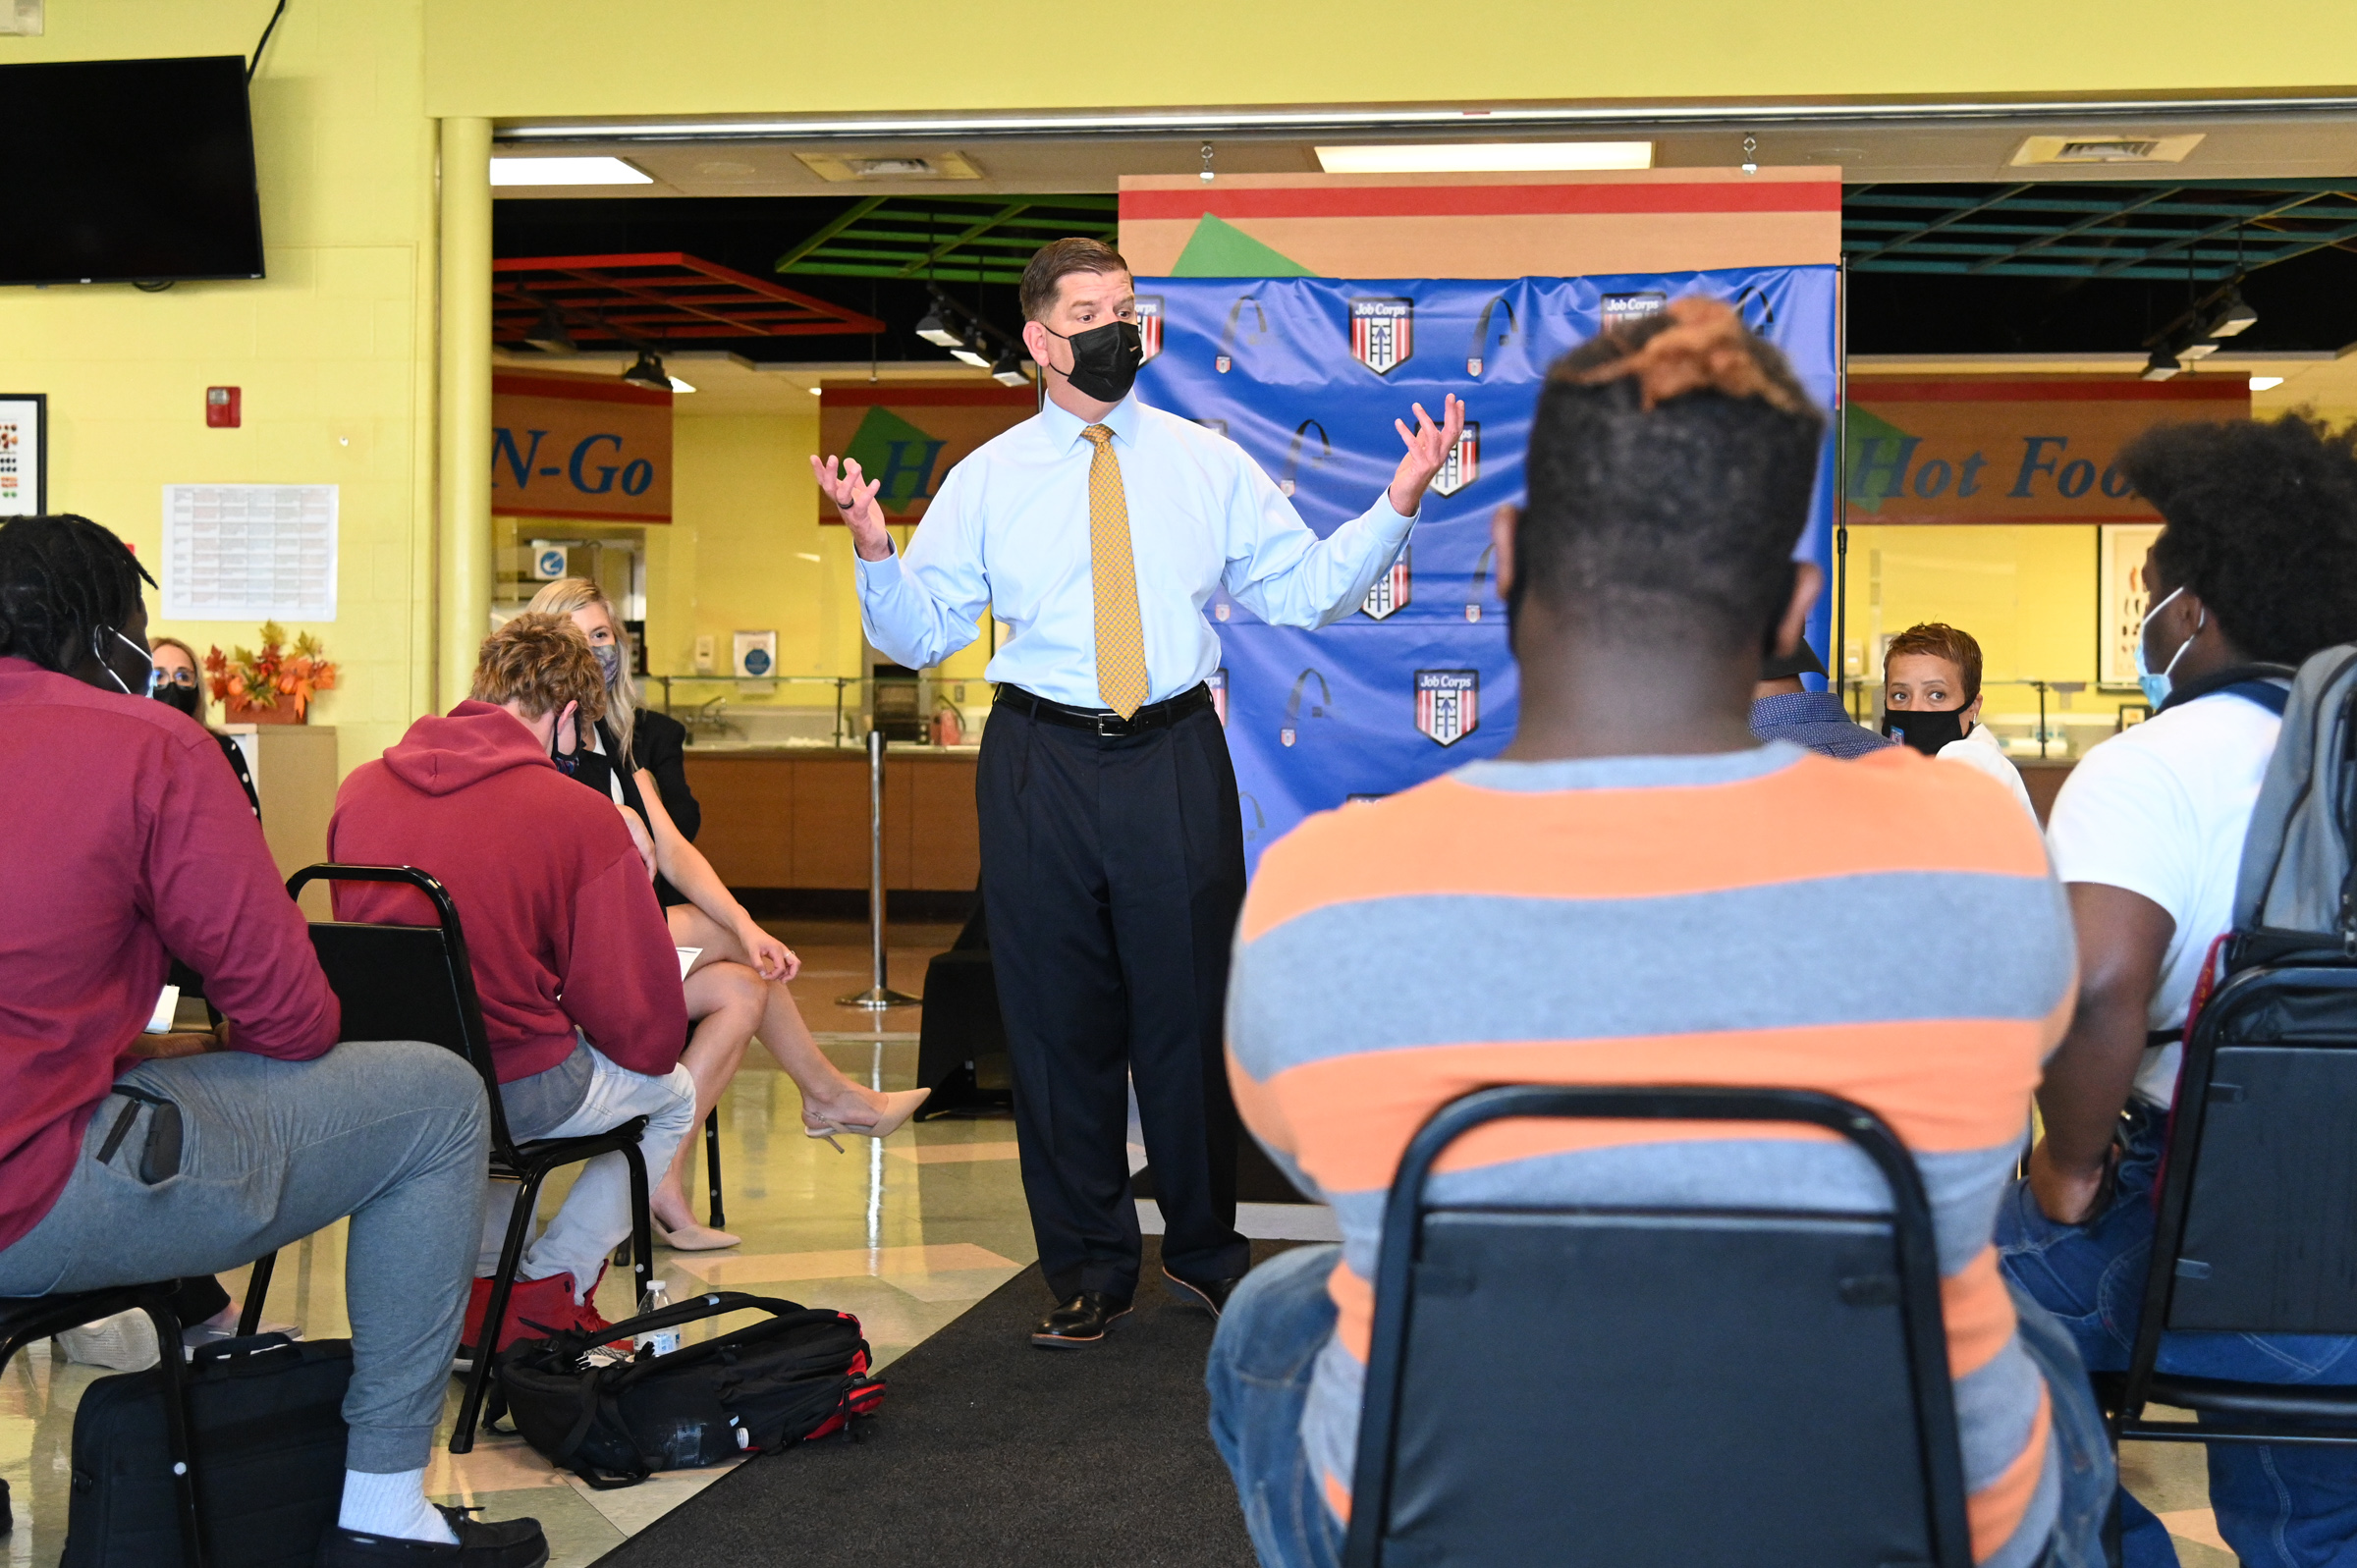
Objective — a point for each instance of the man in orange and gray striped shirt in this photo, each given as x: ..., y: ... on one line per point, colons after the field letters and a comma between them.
x: 1637, y: 892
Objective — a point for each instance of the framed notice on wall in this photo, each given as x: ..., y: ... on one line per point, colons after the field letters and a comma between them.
x: 23, y: 454
x: 2121, y: 599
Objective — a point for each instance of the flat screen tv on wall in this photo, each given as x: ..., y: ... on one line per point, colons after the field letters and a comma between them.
x: 128, y: 171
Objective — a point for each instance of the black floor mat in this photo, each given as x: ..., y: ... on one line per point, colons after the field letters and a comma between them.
x: 989, y: 1452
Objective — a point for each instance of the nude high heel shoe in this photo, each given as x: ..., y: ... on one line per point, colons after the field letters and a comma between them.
x: 899, y: 1107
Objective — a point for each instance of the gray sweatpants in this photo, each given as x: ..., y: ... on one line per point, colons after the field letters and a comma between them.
x: 390, y: 1132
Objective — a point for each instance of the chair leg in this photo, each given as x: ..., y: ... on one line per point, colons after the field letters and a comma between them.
x: 2115, y: 1530
x: 172, y: 1362
x: 642, y: 1229
x: 258, y: 1286
x: 495, y: 1316
x: 719, y: 1218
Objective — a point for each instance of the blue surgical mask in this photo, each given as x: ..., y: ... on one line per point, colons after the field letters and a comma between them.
x: 2155, y: 685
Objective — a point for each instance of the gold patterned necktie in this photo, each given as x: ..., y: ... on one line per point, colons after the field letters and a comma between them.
x: 1120, y: 640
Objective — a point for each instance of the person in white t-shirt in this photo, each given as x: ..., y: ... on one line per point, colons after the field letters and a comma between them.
x: 1932, y: 701
x: 2255, y: 569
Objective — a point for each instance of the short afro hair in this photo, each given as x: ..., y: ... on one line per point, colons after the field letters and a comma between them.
x: 1669, y: 482
x: 540, y: 663
x: 2261, y: 527
x: 1942, y: 641
x: 64, y: 582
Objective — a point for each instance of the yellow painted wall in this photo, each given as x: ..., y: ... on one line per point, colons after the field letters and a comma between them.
x: 2027, y: 596
x: 334, y: 350
x: 616, y: 57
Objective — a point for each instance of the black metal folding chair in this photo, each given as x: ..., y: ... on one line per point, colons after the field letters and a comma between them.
x: 415, y: 983
x: 718, y: 1219
x: 2257, y: 1228
x: 1593, y: 1386
x: 25, y: 1318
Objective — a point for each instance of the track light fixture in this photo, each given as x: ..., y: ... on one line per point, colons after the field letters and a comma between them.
x: 647, y: 371
x: 2162, y: 365
x: 934, y: 325
x: 1009, y: 370
x: 2233, y: 316
x: 548, y: 334
x: 2198, y: 333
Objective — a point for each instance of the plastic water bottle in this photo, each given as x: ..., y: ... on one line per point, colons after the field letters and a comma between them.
x: 659, y: 1341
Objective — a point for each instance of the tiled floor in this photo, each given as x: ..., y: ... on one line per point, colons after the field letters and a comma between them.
x: 906, y: 1233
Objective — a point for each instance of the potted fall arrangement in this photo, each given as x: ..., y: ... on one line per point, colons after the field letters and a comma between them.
x: 271, y: 687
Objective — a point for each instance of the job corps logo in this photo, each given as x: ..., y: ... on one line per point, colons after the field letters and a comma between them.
x: 1291, y: 731
x: 1448, y: 704
x: 1615, y: 308
x: 1462, y: 465
x: 1390, y: 592
x: 1218, y: 683
x: 1225, y: 360
x: 1383, y: 333
x: 1149, y: 325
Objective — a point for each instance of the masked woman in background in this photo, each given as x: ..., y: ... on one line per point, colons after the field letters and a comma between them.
x: 1932, y: 701
x: 737, y: 986
x: 177, y: 682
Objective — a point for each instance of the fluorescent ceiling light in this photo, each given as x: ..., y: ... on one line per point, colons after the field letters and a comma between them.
x: 966, y: 356
x: 1485, y: 157
x: 818, y: 392
x: 677, y: 384
x: 2264, y: 383
x: 566, y: 172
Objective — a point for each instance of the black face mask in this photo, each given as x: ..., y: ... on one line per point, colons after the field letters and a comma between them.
x: 184, y: 698
x: 1105, y: 359
x: 1927, y: 729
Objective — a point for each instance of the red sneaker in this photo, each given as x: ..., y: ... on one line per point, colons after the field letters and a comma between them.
x: 587, y: 1318
x: 536, y: 1308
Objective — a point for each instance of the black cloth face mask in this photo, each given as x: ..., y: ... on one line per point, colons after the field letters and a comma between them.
x: 1105, y: 359
x: 173, y: 695
x: 1927, y: 729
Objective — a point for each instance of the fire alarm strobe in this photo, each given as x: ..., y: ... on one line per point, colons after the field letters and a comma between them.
x: 221, y: 409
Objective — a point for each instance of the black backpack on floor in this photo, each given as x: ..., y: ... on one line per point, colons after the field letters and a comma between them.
x: 266, y: 1435
x: 798, y: 1374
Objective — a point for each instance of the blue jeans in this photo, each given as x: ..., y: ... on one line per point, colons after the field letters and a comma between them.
x: 2277, y: 1505
x: 1280, y: 1317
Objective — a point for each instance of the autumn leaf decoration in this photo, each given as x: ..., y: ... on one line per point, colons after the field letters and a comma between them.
x: 259, y: 680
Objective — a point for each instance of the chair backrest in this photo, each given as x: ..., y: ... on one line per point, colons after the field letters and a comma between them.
x: 405, y: 982
x: 1599, y: 1385
x: 2257, y: 1230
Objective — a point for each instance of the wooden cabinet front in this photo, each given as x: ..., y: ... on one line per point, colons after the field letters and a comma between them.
x: 800, y: 820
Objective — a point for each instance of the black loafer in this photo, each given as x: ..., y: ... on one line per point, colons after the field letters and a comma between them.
x: 1081, y: 1320
x: 481, y: 1544
x: 1209, y: 1294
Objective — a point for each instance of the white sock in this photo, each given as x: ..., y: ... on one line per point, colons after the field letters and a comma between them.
x: 392, y: 1505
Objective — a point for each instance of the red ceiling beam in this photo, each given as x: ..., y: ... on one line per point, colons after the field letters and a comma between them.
x: 660, y: 295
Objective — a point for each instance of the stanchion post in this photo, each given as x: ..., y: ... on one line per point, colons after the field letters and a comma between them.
x: 879, y: 993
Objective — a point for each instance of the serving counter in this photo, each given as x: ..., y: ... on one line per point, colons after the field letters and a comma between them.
x: 796, y: 816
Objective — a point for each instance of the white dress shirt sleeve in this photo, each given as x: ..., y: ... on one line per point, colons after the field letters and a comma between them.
x: 1288, y: 576
x: 921, y: 608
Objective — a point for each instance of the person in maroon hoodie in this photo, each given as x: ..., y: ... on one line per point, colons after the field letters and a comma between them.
x: 576, y: 972
x: 128, y: 844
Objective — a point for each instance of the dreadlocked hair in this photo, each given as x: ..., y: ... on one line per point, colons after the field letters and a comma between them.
x: 65, y: 583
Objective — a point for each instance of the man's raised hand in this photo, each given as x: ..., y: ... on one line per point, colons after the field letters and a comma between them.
x: 853, y: 497
x: 1428, y: 446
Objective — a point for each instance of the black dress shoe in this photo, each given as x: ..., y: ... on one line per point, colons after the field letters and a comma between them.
x: 481, y: 1544
x: 1081, y: 1320
x: 1209, y: 1294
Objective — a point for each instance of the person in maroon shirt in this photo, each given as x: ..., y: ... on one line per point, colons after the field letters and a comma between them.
x: 128, y: 845
x: 576, y: 972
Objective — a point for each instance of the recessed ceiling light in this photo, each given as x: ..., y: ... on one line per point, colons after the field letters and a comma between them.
x: 818, y: 392
x: 2264, y: 383
x: 1485, y: 157
x: 566, y: 172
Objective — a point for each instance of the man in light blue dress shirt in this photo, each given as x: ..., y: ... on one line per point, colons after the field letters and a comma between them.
x: 1112, y: 861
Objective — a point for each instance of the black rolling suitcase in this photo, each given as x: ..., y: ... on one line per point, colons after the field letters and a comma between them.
x: 266, y: 1429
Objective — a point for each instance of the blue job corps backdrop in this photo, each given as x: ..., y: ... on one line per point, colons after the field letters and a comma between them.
x: 1307, y: 375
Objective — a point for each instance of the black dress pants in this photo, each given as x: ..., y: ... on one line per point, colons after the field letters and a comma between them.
x: 1113, y: 869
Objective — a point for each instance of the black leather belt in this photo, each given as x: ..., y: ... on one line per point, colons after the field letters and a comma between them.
x: 1103, y: 722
